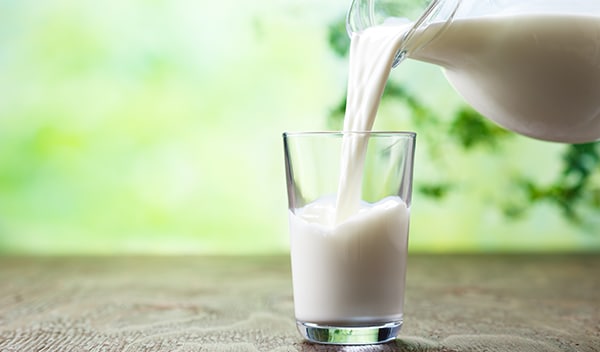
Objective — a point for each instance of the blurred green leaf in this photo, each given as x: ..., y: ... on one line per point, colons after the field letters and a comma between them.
x: 470, y: 129
x: 338, y: 38
x: 436, y: 191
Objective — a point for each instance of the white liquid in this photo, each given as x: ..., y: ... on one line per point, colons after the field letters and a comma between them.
x: 371, y: 56
x: 538, y: 75
x: 349, y: 257
x: 353, y: 272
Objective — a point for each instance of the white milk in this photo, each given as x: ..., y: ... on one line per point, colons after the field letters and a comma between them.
x: 349, y: 261
x: 538, y: 75
x: 372, y: 53
x: 353, y: 272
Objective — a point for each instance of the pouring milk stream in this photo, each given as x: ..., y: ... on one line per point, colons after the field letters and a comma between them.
x: 344, y: 250
x: 530, y: 66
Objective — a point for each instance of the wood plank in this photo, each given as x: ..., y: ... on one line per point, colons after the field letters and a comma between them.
x: 453, y: 303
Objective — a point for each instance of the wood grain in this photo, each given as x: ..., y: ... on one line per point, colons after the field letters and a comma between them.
x: 453, y: 303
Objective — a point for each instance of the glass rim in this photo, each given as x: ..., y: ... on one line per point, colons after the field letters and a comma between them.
x: 408, y: 134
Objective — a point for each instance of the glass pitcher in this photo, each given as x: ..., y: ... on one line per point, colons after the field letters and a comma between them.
x: 532, y: 66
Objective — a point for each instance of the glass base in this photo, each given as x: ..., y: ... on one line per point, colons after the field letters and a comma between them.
x: 349, y: 335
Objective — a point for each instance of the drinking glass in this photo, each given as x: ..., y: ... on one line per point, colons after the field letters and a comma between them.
x: 349, y: 196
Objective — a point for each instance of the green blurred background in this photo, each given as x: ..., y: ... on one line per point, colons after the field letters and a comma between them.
x: 154, y: 127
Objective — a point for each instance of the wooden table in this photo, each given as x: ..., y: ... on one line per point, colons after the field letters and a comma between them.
x: 453, y: 303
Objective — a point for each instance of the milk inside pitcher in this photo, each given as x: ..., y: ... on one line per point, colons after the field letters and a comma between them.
x: 532, y: 66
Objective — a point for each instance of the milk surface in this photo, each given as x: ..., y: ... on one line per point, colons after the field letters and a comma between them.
x: 536, y: 74
x: 352, y: 272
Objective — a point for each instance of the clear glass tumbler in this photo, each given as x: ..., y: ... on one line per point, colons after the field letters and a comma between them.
x: 349, y: 207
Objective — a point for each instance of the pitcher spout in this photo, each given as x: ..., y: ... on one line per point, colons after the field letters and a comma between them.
x: 417, y: 14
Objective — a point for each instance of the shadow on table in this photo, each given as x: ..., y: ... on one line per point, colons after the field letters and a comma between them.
x: 484, y: 342
x: 404, y: 344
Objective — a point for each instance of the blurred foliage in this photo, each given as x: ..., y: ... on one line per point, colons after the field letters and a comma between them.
x: 470, y: 129
x: 437, y: 191
x: 338, y: 38
x: 573, y: 189
x: 151, y: 127
x: 147, y: 126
